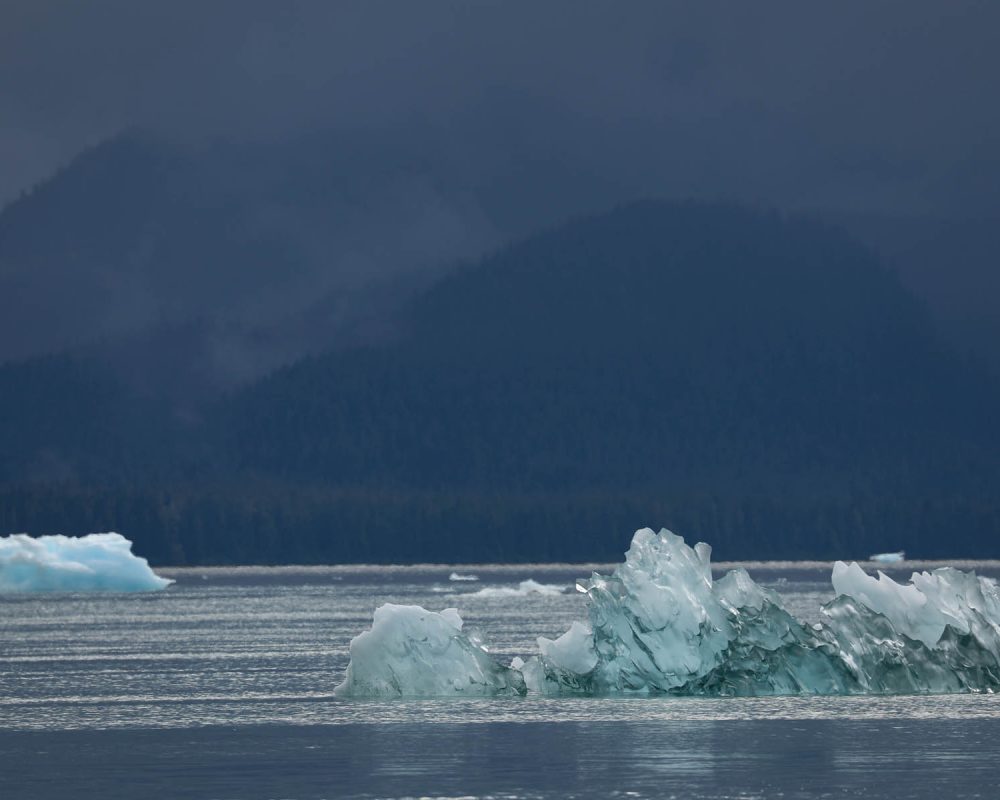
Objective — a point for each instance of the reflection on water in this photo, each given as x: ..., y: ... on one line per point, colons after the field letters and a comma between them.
x: 680, y: 759
x: 222, y: 686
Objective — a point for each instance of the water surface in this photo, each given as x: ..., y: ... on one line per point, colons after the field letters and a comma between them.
x: 222, y: 686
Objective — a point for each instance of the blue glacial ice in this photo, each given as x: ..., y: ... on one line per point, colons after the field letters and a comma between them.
x: 660, y: 624
x: 97, y: 562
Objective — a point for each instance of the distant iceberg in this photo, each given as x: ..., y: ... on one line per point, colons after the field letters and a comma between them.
x: 457, y: 576
x: 97, y: 562
x: 888, y: 558
x: 523, y: 589
x: 660, y: 624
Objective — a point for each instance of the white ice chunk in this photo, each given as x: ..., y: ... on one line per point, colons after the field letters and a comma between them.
x: 888, y: 558
x: 412, y: 652
x: 922, y: 608
x: 574, y: 650
x: 657, y: 619
x: 905, y: 606
x: 97, y: 562
x: 457, y: 576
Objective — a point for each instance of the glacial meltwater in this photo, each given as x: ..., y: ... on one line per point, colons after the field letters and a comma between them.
x: 222, y: 686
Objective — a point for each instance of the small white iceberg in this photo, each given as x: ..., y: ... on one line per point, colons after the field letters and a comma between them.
x: 523, y: 589
x: 98, y: 562
x: 888, y: 558
x: 413, y: 652
x: 457, y: 576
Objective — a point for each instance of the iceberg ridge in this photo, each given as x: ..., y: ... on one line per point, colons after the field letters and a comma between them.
x: 660, y: 624
x: 96, y: 562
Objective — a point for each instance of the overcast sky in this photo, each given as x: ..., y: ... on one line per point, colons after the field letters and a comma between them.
x: 888, y: 106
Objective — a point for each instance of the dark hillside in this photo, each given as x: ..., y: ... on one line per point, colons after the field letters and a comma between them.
x: 255, y: 254
x: 658, y: 342
x: 760, y: 382
x: 659, y: 351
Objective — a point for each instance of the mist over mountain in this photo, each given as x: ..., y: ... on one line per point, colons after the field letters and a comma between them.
x: 758, y: 380
x: 215, y: 264
x: 227, y: 260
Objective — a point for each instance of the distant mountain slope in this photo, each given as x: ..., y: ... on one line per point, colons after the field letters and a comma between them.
x: 267, y: 252
x: 657, y: 344
x: 219, y: 262
x: 754, y: 380
x: 953, y: 264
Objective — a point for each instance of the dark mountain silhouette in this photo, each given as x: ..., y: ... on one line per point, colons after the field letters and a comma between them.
x: 758, y: 381
x: 953, y: 264
x: 215, y: 264
x: 226, y: 260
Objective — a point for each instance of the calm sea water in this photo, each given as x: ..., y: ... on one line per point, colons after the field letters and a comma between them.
x: 222, y: 687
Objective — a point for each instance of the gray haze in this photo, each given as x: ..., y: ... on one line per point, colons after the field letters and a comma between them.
x: 441, y: 130
x: 887, y: 106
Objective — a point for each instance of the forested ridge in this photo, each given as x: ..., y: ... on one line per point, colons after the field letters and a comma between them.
x: 757, y: 381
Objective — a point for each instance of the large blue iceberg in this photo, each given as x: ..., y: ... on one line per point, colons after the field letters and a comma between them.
x: 660, y: 624
x: 97, y: 562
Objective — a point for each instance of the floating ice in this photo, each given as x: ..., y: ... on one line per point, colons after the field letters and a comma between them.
x: 661, y: 624
x: 456, y: 576
x: 888, y: 558
x: 522, y: 589
x: 410, y: 651
x: 97, y: 562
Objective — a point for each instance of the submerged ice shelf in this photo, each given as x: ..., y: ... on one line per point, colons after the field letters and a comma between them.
x: 660, y: 624
x: 96, y: 562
